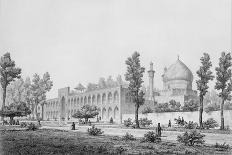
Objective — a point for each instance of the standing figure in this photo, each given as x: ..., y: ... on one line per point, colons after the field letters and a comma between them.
x: 159, y: 130
x: 169, y: 123
x: 73, y: 126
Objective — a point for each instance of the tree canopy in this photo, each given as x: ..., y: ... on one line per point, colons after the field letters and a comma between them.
x: 86, y: 112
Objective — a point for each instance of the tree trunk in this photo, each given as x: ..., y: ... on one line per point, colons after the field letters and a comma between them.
x: 42, y: 111
x: 137, y: 116
x: 3, y: 100
x: 36, y: 116
x: 201, y: 111
x: 222, y: 115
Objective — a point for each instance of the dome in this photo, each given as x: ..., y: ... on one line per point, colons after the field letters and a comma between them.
x: 178, y: 71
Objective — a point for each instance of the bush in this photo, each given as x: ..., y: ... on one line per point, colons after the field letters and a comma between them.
x: 151, y: 137
x: 23, y: 124
x: 210, y: 123
x: 147, y: 110
x: 128, y: 137
x: 191, y: 138
x: 190, y: 125
x: 128, y: 122
x: 32, y: 127
x: 212, y: 107
x: 120, y: 150
x: 191, y: 105
x: 94, y: 131
x: 111, y: 120
x: 179, y: 121
x: 145, y: 122
x: 222, y: 147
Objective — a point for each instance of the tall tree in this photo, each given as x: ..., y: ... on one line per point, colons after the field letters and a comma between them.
x: 39, y: 88
x: 8, y: 73
x: 134, y: 75
x: 205, y: 75
x: 224, y: 81
x: 86, y: 112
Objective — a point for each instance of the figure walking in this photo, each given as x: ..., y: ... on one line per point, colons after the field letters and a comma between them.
x: 169, y: 124
x: 73, y: 126
x: 159, y: 130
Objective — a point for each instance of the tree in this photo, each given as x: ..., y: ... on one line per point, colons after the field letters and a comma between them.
x: 8, y: 73
x: 205, y: 75
x: 39, y: 88
x: 134, y: 75
x: 191, y: 105
x: 224, y: 82
x: 86, y: 112
x: 15, y: 110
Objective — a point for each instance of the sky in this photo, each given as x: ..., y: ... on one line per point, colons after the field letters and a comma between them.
x: 79, y: 41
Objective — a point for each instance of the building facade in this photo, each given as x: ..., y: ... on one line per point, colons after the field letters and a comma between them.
x: 112, y: 97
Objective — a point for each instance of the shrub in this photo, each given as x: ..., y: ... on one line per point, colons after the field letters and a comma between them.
x: 94, y: 131
x: 111, y: 120
x: 145, y: 122
x: 190, y: 125
x: 191, y: 138
x: 128, y: 122
x: 212, y: 107
x: 191, y: 105
x: 120, y: 149
x: 128, y: 137
x: 23, y: 124
x: 210, y: 123
x: 151, y: 137
x: 147, y: 110
x: 222, y: 147
x: 32, y: 127
x: 179, y: 121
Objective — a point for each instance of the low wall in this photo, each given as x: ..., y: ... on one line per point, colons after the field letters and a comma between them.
x: 163, y: 118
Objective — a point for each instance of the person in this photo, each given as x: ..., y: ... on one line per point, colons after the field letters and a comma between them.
x: 17, y: 122
x: 89, y: 123
x: 159, y: 130
x: 73, y: 126
x: 169, y: 123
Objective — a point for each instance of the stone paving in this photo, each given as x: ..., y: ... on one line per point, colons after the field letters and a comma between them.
x: 210, y: 138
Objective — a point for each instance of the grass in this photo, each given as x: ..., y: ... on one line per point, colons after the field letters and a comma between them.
x: 46, y: 141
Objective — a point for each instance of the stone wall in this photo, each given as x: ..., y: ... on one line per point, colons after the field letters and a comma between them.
x: 163, y: 118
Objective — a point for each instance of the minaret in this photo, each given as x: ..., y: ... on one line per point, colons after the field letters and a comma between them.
x: 151, y: 82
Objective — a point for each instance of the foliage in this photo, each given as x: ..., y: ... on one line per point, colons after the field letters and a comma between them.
x: 224, y: 81
x: 86, y: 112
x: 23, y: 124
x: 179, y: 121
x: 145, y: 122
x: 134, y: 75
x: 172, y: 106
x: 228, y: 106
x: 39, y: 88
x: 151, y: 137
x: 128, y: 122
x: 128, y: 136
x: 15, y: 110
x: 147, y: 110
x: 94, y: 131
x: 190, y: 125
x: 210, y: 123
x: 8, y: 73
x: 212, y: 107
x: 222, y: 147
x: 111, y: 120
x: 32, y: 127
x: 191, y: 138
x: 205, y: 75
x: 191, y: 105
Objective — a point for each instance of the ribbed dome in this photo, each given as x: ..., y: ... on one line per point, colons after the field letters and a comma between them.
x: 178, y: 71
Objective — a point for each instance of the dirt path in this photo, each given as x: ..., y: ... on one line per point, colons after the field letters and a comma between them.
x: 210, y: 138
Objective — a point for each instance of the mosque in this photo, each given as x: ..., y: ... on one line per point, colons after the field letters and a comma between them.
x: 112, y: 99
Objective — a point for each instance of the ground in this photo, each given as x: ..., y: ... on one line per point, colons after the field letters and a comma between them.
x: 53, y: 141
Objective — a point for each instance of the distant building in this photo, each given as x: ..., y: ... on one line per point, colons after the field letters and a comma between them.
x: 112, y: 99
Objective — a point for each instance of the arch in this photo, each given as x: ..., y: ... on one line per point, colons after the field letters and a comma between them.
x: 104, y: 98
x: 85, y: 100
x: 116, y: 113
x: 116, y: 98
x: 75, y: 102
x: 72, y: 102
x: 104, y: 113
x: 110, y: 113
x: 62, y: 111
x: 89, y: 100
x: 93, y: 99
x: 110, y: 99
x: 71, y: 113
x: 81, y: 100
x: 98, y: 99
x: 68, y: 102
x: 78, y: 100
